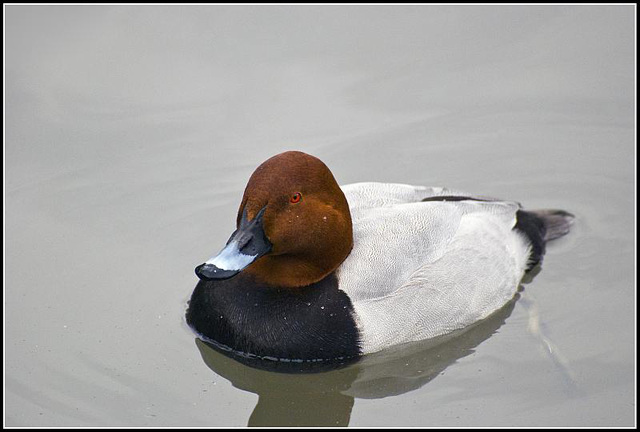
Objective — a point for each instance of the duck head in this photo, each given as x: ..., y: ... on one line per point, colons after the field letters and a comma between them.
x: 293, y: 225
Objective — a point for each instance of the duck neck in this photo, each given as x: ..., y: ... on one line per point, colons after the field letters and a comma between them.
x: 290, y: 271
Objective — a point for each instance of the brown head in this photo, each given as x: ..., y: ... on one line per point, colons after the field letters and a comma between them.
x: 293, y: 225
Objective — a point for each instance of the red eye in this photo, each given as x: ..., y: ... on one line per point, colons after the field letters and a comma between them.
x: 296, y: 197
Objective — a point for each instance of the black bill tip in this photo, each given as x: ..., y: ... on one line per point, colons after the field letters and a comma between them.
x: 208, y: 272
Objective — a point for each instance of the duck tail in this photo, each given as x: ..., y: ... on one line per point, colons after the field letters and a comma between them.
x: 541, y: 226
x: 556, y: 222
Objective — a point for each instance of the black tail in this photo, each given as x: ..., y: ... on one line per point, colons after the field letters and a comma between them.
x: 540, y: 226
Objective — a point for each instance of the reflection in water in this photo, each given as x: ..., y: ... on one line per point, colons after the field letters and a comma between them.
x: 326, y: 398
x: 287, y: 399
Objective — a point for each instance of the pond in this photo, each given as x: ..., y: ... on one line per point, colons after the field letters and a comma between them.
x: 130, y: 134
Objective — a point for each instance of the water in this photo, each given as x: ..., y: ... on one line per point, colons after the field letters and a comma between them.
x: 131, y: 132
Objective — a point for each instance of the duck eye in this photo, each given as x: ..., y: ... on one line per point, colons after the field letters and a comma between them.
x: 296, y: 197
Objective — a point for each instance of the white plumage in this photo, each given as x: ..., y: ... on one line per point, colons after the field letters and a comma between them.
x: 421, y: 269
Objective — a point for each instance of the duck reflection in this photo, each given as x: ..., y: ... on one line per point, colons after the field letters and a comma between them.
x: 326, y: 398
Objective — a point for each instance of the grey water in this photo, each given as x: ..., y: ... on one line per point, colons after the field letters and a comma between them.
x: 130, y: 133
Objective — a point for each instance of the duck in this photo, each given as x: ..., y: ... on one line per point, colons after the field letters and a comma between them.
x: 318, y: 272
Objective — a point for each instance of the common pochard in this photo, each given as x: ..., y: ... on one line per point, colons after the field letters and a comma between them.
x: 319, y: 272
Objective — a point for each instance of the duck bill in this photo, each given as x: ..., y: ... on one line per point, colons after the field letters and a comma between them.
x: 246, y: 244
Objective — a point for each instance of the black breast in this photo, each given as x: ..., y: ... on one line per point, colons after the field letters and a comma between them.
x: 309, y: 323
